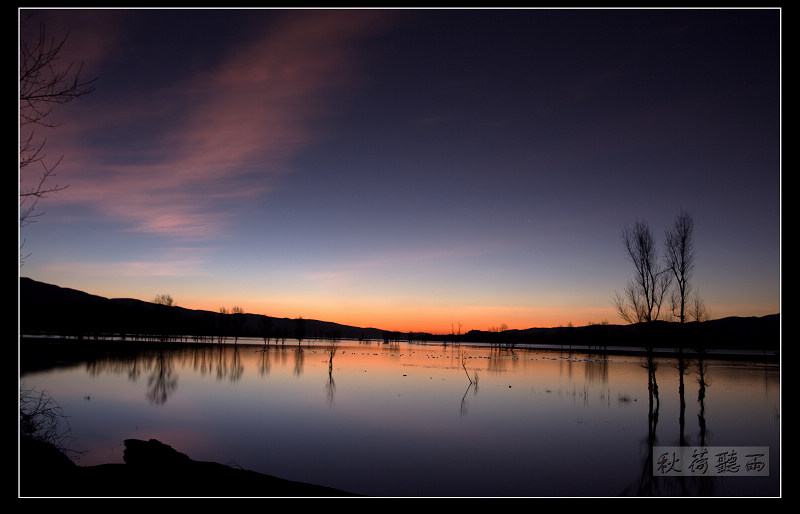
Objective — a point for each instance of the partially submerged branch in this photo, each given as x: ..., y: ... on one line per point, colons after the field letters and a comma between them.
x: 473, y: 379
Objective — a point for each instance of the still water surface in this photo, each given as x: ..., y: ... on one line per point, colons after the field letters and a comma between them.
x: 411, y: 420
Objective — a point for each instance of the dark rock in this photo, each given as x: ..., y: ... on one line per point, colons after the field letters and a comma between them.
x: 151, y: 469
x: 152, y: 452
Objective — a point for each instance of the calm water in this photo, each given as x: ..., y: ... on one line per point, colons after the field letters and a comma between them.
x: 405, y: 420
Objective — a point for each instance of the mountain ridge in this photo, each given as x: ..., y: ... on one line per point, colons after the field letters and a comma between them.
x: 37, y: 298
x: 47, y: 308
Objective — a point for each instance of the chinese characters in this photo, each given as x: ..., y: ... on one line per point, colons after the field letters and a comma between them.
x: 710, y: 461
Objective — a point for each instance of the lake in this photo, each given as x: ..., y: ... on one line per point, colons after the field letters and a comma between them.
x: 423, y: 420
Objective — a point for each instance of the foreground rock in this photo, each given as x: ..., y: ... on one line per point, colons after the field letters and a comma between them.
x: 151, y: 469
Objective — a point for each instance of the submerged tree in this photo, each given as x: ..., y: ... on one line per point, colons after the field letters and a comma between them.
x: 679, y: 249
x: 238, y: 320
x: 266, y: 329
x: 299, y: 329
x: 645, y: 293
x: 222, y: 324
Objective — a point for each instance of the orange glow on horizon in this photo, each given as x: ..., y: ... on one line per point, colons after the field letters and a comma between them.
x: 445, y: 320
x: 437, y: 321
x: 398, y: 314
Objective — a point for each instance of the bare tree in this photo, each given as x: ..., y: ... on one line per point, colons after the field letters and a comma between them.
x: 238, y: 322
x: 42, y: 418
x: 163, y: 299
x: 164, y: 316
x: 266, y: 329
x: 644, y: 293
x: 300, y: 330
x: 679, y: 254
x: 222, y: 324
x: 43, y: 84
x: 698, y: 310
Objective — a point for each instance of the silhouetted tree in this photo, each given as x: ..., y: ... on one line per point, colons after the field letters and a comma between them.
x: 238, y: 320
x: 43, y: 83
x: 222, y: 324
x: 300, y: 329
x: 330, y: 387
x: 679, y: 252
x: 41, y: 418
x: 163, y: 322
x: 698, y: 310
x: 266, y: 328
x: 163, y: 299
x: 645, y: 293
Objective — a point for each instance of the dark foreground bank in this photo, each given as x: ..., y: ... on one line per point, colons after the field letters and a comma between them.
x: 151, y: 469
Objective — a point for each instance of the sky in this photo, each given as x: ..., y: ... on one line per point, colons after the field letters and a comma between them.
x: 412, y: 169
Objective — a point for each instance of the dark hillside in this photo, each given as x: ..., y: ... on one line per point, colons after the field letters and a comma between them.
x: 47, y: 309
x: 734, y: 333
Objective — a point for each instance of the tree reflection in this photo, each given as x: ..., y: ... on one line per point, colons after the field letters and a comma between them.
x: 473, y: 381
x: 236, y: 369
x: 703, y: 383
x: 330, y: 386
x: 647, y: 486
x: 499, y: 359
x: 565, y: 357
x: 464, y: 404
x: 681, y: 365
x: 596, y: 368
x: 162, y: 381
x: 704, y: 485
x: 330, y: 389
x: 135, y: 371
x: 222, y: 362
x: 200, y: 360
x: 264, y: 364
x: 299, y: 358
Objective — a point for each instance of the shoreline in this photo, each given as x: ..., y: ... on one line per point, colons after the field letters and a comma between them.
x: 636, y: 350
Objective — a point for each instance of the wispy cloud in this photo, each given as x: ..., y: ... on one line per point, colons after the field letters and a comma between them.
x: 185, y: 158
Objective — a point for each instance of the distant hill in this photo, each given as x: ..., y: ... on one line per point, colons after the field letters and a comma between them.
x: 735, y: 333
x: 50, y: 309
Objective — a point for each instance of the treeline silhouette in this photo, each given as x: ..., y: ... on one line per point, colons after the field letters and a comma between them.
x: 47, y: 309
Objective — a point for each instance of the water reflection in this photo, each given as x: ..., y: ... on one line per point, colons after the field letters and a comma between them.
x: 596, y: 368
x: 703, y: 383
x: 648, y: 484
x: 264, y: 363
x: 429, y: 397
x: 163, y: 380
x: 473, y: 387
x: 472, y: 378
x: 330, y: 386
